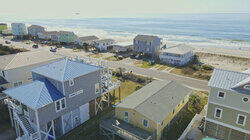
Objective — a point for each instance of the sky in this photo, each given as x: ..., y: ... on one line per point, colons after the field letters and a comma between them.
x: 116, y: 8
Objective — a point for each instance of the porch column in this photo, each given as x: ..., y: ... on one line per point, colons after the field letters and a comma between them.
x: 38, y: 125
x: 53, y: 129
x: 229, y: 134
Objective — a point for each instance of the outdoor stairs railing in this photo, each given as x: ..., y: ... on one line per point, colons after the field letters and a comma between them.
x: 26, y: 124
x: 29, y: 133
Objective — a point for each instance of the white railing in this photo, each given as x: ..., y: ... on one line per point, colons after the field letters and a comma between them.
x: 15, y: 107
x: 20, y: 122
x: 128, y: 134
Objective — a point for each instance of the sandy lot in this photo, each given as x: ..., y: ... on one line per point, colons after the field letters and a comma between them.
x: 225, y: 62
x: 228, y: 59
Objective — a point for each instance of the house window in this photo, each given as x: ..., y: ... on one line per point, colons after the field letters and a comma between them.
x: 60, y: 104
x: 241, y: 119
x: 97, y: 88
x: 71, y: 82
x: 17, y: 83
x: 126, y: 116
x: 247, y: 87
x: 145, y: 122
x: 221, y: 94
x: 245, y: 99
x: 218, y: 113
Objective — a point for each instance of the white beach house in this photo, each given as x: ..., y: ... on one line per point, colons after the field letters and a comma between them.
x: 103, y: 44
x: 177, y: 55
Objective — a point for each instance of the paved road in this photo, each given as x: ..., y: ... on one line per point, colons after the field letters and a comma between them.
x: 190, y: 82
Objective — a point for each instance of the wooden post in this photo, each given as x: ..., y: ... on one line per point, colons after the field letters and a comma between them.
x: 11, y: 116
x: 108, y: 98
x: 119, y: 94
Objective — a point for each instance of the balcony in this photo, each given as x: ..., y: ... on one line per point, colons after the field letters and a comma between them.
x: 113, y: 126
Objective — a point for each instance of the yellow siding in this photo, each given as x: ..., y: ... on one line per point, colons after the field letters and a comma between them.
x: 135, y: 118
x: 163, y: 124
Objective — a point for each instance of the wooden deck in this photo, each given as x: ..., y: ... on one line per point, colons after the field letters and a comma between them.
x: 113, y: 126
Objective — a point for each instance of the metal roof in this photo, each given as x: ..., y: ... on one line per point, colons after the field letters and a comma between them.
x: 157, y: 99
x: 229, y: 80
x: 65, y: 69
x: 35, y: 94
x: 145, y: 37
x: 124, y: 44
x: 178, y: 49
x: 104, y: 41
x: 26, y: 58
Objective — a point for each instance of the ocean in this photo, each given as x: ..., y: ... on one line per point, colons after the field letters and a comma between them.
x: 208, y: 30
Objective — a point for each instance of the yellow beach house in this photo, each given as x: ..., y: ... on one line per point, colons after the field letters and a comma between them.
x: 145, y: 113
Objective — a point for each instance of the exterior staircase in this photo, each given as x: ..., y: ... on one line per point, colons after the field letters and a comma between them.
x: 26, y: 124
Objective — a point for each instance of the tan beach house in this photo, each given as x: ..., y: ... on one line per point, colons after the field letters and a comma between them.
x: 145, y: 113
x: 228, y: 110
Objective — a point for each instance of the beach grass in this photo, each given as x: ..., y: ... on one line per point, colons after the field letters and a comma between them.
x: 111, y: 58
x: 202, y: 72
x: 99, y: 55
x: 143, y: 64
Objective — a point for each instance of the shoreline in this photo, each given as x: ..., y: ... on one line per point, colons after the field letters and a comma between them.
x: 127, y: 36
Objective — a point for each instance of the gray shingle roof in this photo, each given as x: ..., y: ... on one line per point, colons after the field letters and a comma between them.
x: 35, y: 26
x: 35, y: 94
x: 26, y: 58
x: 65, y: 69
x: 156, y: 100
x: 145, y: 37
x: 88, y: 38
x: 5, y: 60
x: 178, y: 49
x: 229, y: 80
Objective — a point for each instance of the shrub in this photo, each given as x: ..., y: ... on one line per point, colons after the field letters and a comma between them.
x: 138, y: 87
x: 207, y: 67
x: 140, y: 80
x: 74, y: 49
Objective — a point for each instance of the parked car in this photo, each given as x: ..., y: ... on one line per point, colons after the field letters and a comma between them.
x: 7, y: 42
x: 95, y: 52
x: 35, y: 46
x: 53, y: 49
